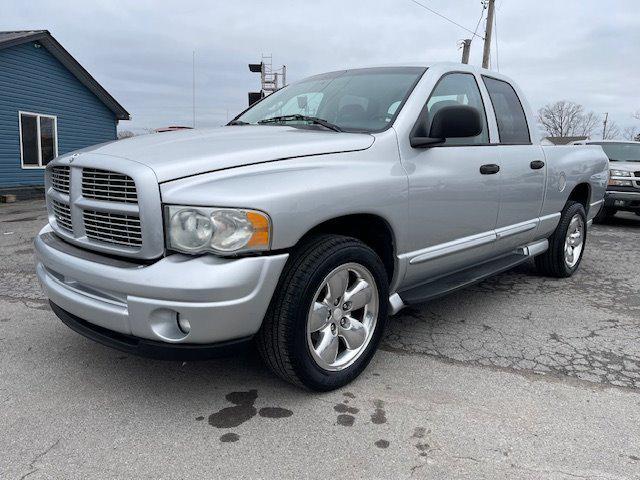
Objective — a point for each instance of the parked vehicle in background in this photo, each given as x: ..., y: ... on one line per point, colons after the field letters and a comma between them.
x: 623, y: 188
x: 311, y: 217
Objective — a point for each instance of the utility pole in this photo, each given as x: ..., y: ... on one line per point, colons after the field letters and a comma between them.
x: 487, y: 34
x: 466, y: 49
x: 604, y: 125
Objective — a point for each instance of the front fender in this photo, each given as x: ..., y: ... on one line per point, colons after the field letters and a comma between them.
x: 301, y: 193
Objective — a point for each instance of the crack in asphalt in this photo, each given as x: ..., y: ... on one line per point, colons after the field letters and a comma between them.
x: 585, y: 327
x: 32, y: 464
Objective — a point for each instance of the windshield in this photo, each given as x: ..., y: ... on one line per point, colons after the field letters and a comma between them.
x: 364, y: 100
x: 621, y: 152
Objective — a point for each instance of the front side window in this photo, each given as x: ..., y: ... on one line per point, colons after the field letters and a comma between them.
x: 362, y: 100
x: 458, y: 89
x: 512, y: 122
x: 38, y: 139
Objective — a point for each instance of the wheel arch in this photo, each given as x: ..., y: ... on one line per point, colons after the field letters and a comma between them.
x: 371, y: 229
x: 581, y: 193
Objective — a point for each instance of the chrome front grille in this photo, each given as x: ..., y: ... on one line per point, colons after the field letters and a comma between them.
x: 113, y: 228
x: 114, y: 210
x: 62, y: 214
x: 108, y: 186
x: 60, y: 179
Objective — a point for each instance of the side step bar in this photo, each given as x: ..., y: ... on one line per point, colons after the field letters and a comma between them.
x: 464, y: 278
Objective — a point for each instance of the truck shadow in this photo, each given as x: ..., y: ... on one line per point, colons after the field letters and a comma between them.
x: 623, y: 219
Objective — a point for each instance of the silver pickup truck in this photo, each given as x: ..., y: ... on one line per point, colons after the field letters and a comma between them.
x: 311, y: 217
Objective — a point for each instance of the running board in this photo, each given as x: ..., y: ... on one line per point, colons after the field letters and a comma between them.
x: 464, y: 278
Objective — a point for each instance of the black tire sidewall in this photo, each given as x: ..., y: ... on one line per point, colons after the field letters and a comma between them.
x: 309, y: 372
x: 561, y: 234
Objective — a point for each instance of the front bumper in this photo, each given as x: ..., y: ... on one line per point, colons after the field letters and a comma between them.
x: 627, y: 200
x: 222, y: 299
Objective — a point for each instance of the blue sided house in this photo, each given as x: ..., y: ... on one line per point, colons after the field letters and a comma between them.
x: 49, y: 105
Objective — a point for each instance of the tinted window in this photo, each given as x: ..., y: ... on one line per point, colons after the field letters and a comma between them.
x: 356, y: 100
x: 47, y: 139
x: 512, y: 123
x: 29, y: 140
x: 458, y: 89
x: 39, y: 139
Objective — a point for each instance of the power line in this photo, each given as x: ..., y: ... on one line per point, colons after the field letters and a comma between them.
x: 484, y: 7
x: 446, y: 18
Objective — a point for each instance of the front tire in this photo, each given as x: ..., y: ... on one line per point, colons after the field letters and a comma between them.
x: 566, y: 245
x: 327, y: 315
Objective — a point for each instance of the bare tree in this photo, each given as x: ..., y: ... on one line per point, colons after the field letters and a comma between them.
x: 611, y: 131
x: 125, y: 134
x: 566, y: 119
x: 588, y: 124
x: 630, y: 133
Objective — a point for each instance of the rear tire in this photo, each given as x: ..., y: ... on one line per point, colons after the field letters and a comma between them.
x: 292, y: 342
x: 604, y: 214
x: 566, y: 245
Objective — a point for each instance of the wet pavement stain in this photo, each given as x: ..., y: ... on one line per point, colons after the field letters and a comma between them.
x: 423, y: 448
x: 418, y: 432
x: 346, y: 417
x: 229, y: 437
x: 200, y: 418
x: 382, y: 443
x: 275, y: 412
x: 343, y: 408
x: 346, y: 420
x: 379, y: 416
x: 243, y: 410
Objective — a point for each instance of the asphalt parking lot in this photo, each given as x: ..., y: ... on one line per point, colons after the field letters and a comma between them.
x: 519, y: 377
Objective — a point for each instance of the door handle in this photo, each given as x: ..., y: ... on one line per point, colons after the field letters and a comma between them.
x: 536, y: 164
x: 489, y: 169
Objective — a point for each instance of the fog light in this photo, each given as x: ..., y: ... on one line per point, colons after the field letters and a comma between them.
x: 184, y: 325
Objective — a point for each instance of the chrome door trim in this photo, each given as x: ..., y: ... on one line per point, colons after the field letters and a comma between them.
x: 472, y: 241
x: 549, y: 217
x: 454, y: 246
x: 509, y: 230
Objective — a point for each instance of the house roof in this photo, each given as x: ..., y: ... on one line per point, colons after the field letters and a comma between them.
x: 10, y: 39
x: 564, y: 140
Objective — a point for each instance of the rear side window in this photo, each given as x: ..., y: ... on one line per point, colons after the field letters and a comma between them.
x: 512, y: 123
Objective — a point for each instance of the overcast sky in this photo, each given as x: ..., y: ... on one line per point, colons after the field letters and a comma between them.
x: 586, y: 51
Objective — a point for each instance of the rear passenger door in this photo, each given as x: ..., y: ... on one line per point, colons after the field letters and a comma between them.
x: 522, y: 168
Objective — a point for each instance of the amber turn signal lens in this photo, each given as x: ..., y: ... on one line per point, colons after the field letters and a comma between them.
x: 260, y: 223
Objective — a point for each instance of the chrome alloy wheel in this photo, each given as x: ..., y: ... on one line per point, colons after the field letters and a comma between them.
x: 342, y: 317
x: 574, y: 241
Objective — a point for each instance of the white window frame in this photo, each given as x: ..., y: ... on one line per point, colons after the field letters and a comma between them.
x: 55, y: 138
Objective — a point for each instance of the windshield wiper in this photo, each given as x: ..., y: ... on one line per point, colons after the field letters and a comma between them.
x: 304, y: 118
x: 238, y: 122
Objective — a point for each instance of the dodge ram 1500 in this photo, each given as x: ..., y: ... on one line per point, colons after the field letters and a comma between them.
x: 313, y: 216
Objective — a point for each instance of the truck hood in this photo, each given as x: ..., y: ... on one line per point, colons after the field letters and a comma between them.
x: 183, y: 153
x: 626, y: 166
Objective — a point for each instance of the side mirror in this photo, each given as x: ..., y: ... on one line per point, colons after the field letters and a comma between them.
x: 453, y: 121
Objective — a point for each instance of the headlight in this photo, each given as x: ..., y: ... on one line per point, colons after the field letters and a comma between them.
x: 620, y: 173
x: 217, y: 230
x: 616, y: 181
